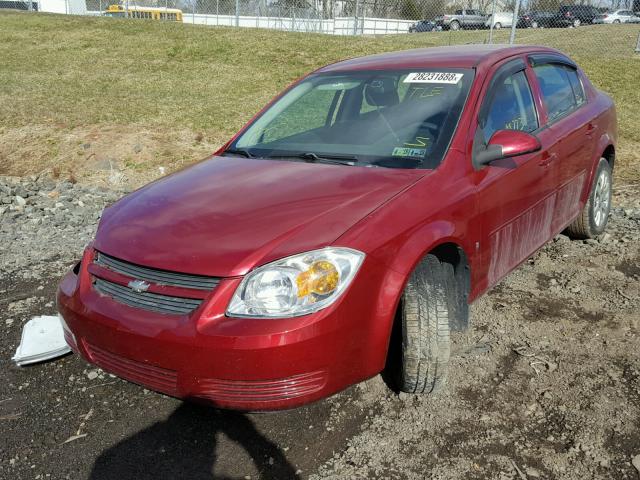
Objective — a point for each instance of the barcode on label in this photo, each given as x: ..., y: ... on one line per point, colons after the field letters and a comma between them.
x: 433, y: 77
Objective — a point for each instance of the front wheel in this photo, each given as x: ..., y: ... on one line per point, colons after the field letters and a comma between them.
x: 425, y: 314
x: 497, y: 26
x: 593, y: 219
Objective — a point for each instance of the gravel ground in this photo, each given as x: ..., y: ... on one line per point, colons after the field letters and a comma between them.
x: 546, y: 384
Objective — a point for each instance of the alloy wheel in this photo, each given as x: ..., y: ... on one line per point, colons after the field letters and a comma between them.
x: 602, y: 199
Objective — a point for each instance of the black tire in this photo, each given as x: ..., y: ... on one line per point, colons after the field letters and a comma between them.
x: 497, y: 26
x: 616, y: 21
x: 576, y: 23
x: 534, y: 24
x: 425, y: 315
x: 455, y: 25
x: 457, y: 296
x: 592, y: 221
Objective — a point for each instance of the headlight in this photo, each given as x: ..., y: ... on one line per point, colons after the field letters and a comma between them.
x: 296, y: 285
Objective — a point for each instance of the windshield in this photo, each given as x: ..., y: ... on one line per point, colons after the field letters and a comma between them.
x: 397, y: 119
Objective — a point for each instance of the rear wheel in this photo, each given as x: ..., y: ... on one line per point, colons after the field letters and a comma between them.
x: 497, y: 26
x: 616, y: 21
x: 592, y: 221
x: 534, y: 24
x: 455, y: 25
x: 576, y: 23
x: 425, y: 314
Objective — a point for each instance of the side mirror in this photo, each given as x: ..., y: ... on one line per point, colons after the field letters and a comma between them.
x: 505, y: 144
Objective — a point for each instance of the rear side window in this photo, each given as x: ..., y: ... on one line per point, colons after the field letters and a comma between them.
x: 511, y: 107
x: 561, y: 89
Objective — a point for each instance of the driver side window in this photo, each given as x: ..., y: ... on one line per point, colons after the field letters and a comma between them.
x: 511, y: 107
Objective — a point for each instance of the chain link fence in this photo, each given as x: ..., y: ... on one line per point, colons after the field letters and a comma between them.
x: 615, y: 23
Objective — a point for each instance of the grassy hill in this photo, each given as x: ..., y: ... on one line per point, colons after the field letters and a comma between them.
x: 96, y: 97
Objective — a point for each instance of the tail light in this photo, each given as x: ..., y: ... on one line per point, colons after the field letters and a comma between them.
x: 567, y: 14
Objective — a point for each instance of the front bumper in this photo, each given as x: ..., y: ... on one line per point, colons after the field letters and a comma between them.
x: 243, y: 364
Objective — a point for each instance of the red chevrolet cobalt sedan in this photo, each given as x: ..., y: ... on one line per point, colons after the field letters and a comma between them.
x: 346, y: 228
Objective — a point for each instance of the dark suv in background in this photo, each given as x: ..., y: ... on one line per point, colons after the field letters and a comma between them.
x: 575, y: 15
x: 536, y: 19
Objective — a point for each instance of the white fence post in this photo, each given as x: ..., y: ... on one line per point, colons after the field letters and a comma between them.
x: 512, y: 38
x: 355, y: 18
x: 492, y: 21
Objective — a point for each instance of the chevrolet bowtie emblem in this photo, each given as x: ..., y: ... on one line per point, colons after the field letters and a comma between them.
x: 138, y: 286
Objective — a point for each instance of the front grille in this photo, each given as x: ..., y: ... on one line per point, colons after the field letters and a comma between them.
x: 146, y: 300
x: 159, y: 277
x: 155, y: 378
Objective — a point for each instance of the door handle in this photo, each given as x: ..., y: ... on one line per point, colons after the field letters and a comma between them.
x: 591, y: 128
x: 547, y: 158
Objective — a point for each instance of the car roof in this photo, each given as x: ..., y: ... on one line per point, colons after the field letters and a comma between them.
x: 458, y: 56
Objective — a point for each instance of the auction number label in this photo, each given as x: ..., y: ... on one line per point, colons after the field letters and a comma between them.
x: 433, y: 77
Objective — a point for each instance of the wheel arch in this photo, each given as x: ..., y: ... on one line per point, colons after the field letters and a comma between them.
x: 609, y: 154
x: 605, y: 149
x: 447, y: 250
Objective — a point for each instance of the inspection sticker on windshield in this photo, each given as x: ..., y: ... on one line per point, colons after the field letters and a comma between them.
x: 409, y: 152
x: 433, y: 77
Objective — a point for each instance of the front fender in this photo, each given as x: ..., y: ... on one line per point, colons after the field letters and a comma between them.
x: 403, y: 256
x: 399, y: 260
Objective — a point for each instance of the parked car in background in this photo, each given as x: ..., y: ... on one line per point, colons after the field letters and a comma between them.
x: 465, y: 18
x: 619, y: 16
x: 346, y: 228
x: 536, y: 20
x: 422, y: 26
x: 575, y: 15
x: 499, y: 20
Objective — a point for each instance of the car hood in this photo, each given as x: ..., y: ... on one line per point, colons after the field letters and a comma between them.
x: 225, y: 215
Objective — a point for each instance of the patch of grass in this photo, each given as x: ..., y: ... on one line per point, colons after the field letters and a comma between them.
x: 70, y: 73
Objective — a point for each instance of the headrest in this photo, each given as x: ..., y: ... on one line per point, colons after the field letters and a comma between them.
x: 381, y: 92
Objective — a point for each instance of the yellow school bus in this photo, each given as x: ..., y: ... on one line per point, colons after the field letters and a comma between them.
x: 150, y: 13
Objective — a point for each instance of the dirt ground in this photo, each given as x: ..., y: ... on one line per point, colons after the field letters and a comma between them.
x: 546, y: 384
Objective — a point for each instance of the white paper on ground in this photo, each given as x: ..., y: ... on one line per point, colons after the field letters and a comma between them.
x: 42, y: 339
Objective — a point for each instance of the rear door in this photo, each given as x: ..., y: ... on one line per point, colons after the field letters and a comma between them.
x: 515, y: 195
x: 568, y: 117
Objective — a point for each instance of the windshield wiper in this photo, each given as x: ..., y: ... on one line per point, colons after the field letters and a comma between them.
x: 334, y: 159
x: 240, y: 151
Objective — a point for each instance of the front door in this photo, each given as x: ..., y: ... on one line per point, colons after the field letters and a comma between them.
x: 515, y: 195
